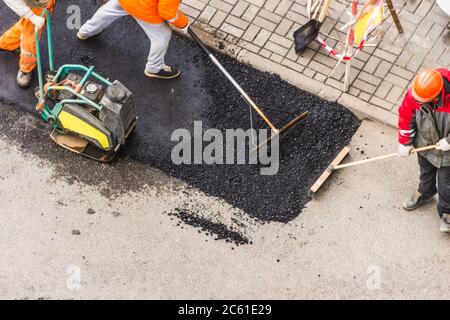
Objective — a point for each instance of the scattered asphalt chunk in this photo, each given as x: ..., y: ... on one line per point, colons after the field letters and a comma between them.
x: 116, y: 214
x: 218, y: 230
x: 76, y: 232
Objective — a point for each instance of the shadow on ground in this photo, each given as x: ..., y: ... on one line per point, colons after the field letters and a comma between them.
x: 202, y: 94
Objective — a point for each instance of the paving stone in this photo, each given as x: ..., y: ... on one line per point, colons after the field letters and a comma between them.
x: 276, y: 58
x: 367, y: 77
x: 190, y: 11
x: 251, y: 32
x: 249, y: 46
x: 271, y: 5
x: 364, y: 86
x: 320, y: 67
x: 270, y: 16
x: 387, y: 56
x: 221, y: 5
x: 218, y: 19
x: 365, y: 96
x: 394, y: 79
x: 207, y: 14
x: 372, y: 64
x: 282, y: 41
x: 293, y: 65
x: 263, y: 23
x: 284, y: 27
x: 250, y: 13
x: 228, y: 28
x: 283, y: 7
x: 396, y: 94
x: 383, y: 68
x: 240, y: 8
x: 383, y: 89
x: 262, y: 37
x: 309, y: 72
x: 271, y: 46
x: 196, y: 4
x: 320, y: 77
x: 237, y: 22
x: 381, y: 103
x: 401, y: 72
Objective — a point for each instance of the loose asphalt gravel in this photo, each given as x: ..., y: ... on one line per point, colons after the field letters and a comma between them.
x: 201, y: 94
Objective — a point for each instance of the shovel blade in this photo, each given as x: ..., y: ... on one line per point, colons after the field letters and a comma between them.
x: 306, y: 34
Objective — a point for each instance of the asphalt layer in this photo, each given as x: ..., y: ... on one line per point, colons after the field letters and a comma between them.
x: 201, y: 94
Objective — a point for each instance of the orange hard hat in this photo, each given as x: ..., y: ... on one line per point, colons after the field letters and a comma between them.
x: 427, y: 85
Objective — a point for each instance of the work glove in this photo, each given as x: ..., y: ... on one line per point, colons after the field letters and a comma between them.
x: 185, y: 29
x: 404, y: 151
x: 38, y: 21
x: 443, y: 145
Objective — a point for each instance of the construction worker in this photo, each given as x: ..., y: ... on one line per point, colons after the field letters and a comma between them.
x: 424, y: 120
x: 22, y: 35
x: 154, y: 17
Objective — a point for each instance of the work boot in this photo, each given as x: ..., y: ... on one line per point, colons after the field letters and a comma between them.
x: 23, y: 79
x: 415, y: 201
x: 84, y: 38
x: 165, y: 73
x: 445, y: 223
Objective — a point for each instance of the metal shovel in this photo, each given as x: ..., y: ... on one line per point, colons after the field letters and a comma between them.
x: 310, y: 31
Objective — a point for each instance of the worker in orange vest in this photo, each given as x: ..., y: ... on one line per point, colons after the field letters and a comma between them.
x: 22, y: 35
x: 154, y: 17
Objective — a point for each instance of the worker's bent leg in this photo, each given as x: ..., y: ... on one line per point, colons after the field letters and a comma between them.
x: 107, y: 14
x: 28, y: 47
x: 10, y: 40
x: 159, y: 35
x: 428, y: 175
x: 444, y: 190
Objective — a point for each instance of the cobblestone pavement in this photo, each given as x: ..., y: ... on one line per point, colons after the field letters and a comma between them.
x: 260, y: 32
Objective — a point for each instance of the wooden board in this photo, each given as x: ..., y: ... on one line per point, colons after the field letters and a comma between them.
x: 341, y: 156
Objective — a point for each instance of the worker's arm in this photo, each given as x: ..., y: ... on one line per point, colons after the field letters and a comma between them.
x: 169, y: 11
x: 407, y: 126
x: 20, y: 8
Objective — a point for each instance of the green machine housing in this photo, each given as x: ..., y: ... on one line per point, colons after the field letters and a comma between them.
x: 89, y: 114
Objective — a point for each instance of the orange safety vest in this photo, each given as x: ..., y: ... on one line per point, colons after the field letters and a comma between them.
x: 156, y: 11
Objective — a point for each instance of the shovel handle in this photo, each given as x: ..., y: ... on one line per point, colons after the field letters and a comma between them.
x: 324, y: 12
x: 393, y: 155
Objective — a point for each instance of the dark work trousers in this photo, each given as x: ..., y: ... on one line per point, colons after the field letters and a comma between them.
x: 428, y: 175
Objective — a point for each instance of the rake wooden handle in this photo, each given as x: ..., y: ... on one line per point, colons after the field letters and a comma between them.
x: 324, y: 12
x: 393, y: 155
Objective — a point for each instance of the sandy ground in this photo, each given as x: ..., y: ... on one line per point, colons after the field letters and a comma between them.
x: 61, y: 239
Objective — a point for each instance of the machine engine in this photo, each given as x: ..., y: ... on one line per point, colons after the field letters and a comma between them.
x: 97, y: 133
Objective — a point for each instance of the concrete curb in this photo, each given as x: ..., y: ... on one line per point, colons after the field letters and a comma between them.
x: 362, y: 109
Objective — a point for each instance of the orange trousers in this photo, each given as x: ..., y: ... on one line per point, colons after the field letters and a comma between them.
x: 21, y: 35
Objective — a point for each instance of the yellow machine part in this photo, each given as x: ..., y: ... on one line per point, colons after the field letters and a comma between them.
x: 74, y: 124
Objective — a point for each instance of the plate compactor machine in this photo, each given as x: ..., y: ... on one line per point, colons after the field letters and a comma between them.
x: 89, y: 114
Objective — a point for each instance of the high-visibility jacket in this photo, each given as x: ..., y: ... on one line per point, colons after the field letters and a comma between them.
x: 422, y: 125
x: 156, y: 11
